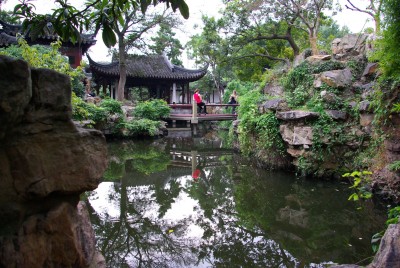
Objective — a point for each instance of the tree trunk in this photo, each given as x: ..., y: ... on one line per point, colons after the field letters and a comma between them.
x: 122, y: 69
x: 313, y: 43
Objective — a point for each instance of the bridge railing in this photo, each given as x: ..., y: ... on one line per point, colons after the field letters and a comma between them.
x: 190, y: 112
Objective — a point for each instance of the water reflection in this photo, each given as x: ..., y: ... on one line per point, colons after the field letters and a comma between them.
x: 183, y: 202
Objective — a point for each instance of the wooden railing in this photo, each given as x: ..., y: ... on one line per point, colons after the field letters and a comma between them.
x: 189, y: 112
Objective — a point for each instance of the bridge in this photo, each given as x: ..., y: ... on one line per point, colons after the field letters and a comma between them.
x: 188, y: 113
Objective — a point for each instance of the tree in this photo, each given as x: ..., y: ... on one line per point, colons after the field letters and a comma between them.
x: 165, y: 42
x: 207, y: 47
x: 305, y: 14
x: 330, y: 30
x: 374, y: 10
x: 253, y: 21
x: 130, y: 29
x: 69, y: 21
x: 114, y: 17
x: 387, y: 49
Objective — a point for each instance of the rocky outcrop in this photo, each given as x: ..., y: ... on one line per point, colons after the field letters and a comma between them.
x: 351, y: 45
x: 46, y: 162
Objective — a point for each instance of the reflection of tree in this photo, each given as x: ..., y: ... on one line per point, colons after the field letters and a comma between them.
x: 145, y: 158
x: 136, y: 240
x: 247, y: 217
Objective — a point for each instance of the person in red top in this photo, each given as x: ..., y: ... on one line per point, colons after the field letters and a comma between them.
x: 199, y: 100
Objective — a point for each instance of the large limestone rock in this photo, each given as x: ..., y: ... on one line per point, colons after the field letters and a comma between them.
x: 335, y: 78
x: 46, y: 162
x: 296, y: 115
x: 15, y: 92
x: 296, y: 135
x: 350, y: 46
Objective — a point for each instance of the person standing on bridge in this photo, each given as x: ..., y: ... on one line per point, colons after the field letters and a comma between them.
x: 233, y: 100
x: 199, y: 100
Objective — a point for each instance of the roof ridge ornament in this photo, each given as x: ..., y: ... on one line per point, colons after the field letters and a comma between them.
x: 169, y: 64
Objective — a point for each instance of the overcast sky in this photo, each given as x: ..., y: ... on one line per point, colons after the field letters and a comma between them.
x: 354, y: 20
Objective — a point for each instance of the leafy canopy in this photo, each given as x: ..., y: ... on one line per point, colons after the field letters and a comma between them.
x: 69, y: 22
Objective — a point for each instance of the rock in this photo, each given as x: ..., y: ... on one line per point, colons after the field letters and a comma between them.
x: 295, y: 152
x: 366, y: 119
x: 15, y: 93
x: 302, y: 136
x: 392, y: 145
x: 62, y: 237
x: 370, y: 69
x: 389, y: 249
x: 337, y: 115
x: 274, y: 90
x: 317, y: 59
x: 364, y: 106
x: 337, y: 78
x: 368, y: 90
x: 46, y: 163
x: 296, y: 135
x: 275, y: 105
x: 128, y: 110
x: 301, y: 57
x: 329, y: 97
x: 296, y: 115
x: 349, y: 46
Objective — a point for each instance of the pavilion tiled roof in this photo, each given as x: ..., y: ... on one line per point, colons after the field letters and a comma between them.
x: 8, y: 33
x: 148, y: 67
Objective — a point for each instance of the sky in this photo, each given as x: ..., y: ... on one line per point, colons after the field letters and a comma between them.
x: 354, y: 20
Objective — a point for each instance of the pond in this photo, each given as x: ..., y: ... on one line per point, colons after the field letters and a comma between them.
x: 190, y: 202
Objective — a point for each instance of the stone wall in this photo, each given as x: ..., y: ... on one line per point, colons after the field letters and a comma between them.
x: 46, y: 163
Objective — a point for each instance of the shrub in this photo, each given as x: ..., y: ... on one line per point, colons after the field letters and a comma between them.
x: 111, y: 106
x: 141, y: 127
x: 153, y: 109
x: 47, y: 57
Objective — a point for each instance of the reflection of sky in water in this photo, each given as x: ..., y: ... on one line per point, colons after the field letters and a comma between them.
x: 106, y: 205
x: 232, y: 212
x: 104, y: 202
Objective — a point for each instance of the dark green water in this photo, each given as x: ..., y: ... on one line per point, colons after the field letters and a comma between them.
x: 151, y: 212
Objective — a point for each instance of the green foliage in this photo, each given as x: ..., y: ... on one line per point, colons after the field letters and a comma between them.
x: 384, y: 100
x: 267, y: 127
x: 241, y: 89
x: 111, y: 106
x: 357, y: 67
x: 361, y: 180
x: 46, y: 57
x: 150, y: 161
x: 69, y: 22
x: 396, y: 108
x: 248, y: 112
x: 395, y: 166
x: 79, y: 108
x: 165, y: 42
x: 328, y: 32
x: 140, y: 127
x: 297, y: 84
x: 263, y: 127
x: 393, y: 215
x: 154, y: 109
x: 387, y: 47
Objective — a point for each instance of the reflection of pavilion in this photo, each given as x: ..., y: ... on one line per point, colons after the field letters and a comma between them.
x: 183, y: 163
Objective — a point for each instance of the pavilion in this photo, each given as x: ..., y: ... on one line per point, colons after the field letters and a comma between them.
x: 162, y: 79
x: 74, y: 51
